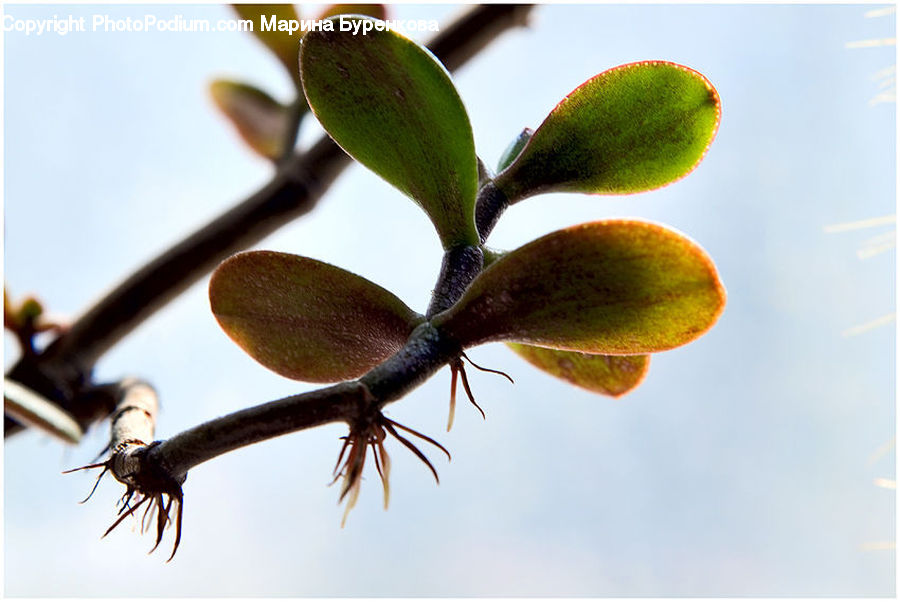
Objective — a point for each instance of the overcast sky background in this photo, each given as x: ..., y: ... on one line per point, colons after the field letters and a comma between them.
x: 745, y: 463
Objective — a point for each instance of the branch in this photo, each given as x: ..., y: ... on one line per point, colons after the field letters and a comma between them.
x: 134, y: 419
x: 426, y: 352
x: 180, y: 453
x: 133, y: 423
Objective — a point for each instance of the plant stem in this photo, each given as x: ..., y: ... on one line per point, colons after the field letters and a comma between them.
x: 296, y: 111
x: 462, y: 264
x: 458, y: 268
x: 185, y: 450
x: 490, y: 206
x: 134, y: 419
x: 426, y: 352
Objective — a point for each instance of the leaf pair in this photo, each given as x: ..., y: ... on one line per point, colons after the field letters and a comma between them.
x: 609, y: 287
x: 632, y: 128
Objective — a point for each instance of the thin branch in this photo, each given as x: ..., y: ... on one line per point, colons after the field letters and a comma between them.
x: 426, y: 352
x: 176, y: 455
x: 131, y: 428
x: 135, y: 417
x: 296, y: 111
x: 133, y: 424
x: 459, y: 267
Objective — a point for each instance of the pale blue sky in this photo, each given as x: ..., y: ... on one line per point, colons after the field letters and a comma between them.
x: 740, y: 467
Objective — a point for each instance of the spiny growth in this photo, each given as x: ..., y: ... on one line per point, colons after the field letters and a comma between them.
x: 372, y: 433
x: 163, y: 504
x: 458, y: 369
x: 162, y: 495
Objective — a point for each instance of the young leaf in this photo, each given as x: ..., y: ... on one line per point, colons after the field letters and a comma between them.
x: 281, y: 42
x: 305, y: 319
x: 515, y: 147
x: 260, y: 119
x: 632, y: 128
x: 614, y: 287
x: 391, y: 105
x: 612, y: 375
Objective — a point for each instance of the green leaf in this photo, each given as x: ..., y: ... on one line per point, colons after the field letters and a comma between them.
x: 30, y: 310
x: 260, y: 119
x: 515, y: 147
x: 305, y: 319
x: 282, y: 43
x: 612, y: 375
x: 612, y: 287
x: 491, y: 255
x: 633, y: 128
x: 391, y: 105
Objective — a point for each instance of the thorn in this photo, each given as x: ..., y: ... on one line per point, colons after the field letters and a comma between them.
x: 71, y: 470
x: 351, y: 502
x: 457, y: 369
x: 162, y: 519
x: 124, y: 516
x: 465, y: 382
x: 180, y: 500
x: 492, y: 371
x: 353, y: 468
x: 126, y: 497
x: 147, y: 512
x: 411, y: 447
x: 383, y: 466
x: 372, y: 432
x: 454, y: 373
x: 337, y: 464
x: 417, y: 434
x: 96, y: 483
